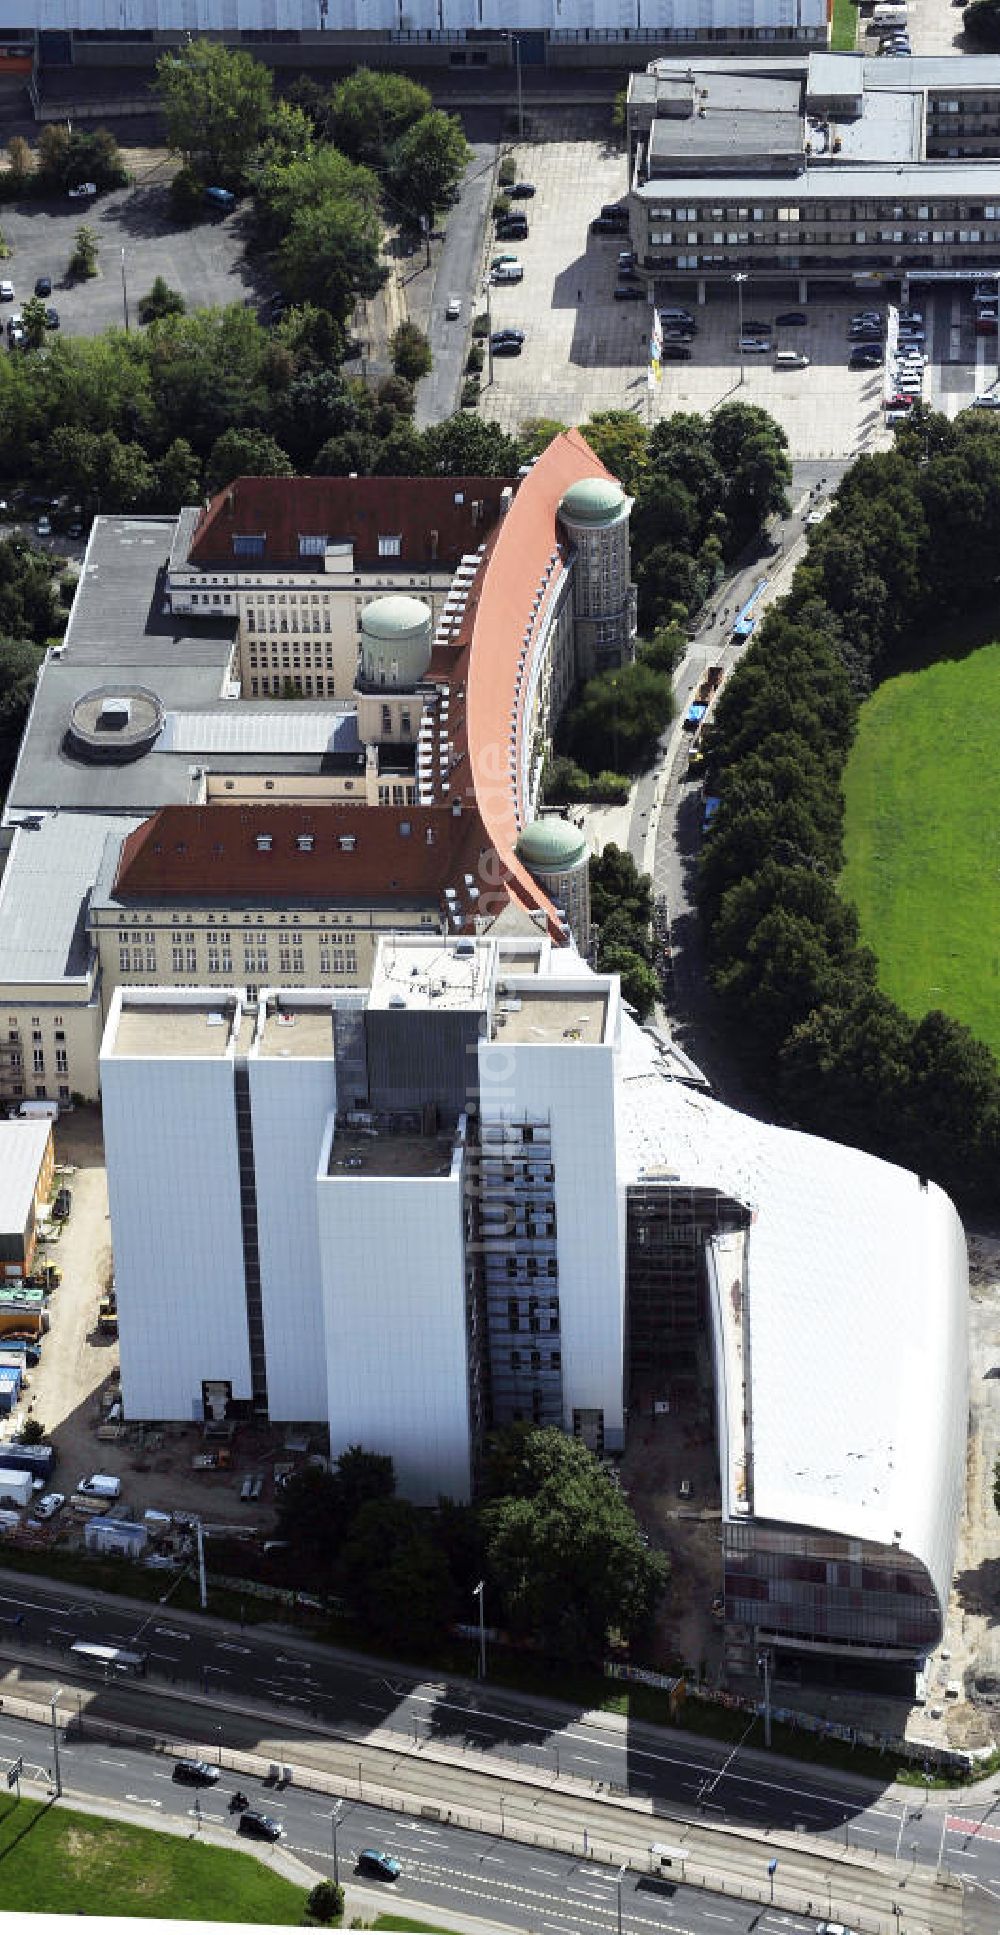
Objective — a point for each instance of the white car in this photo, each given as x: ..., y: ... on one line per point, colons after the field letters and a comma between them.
x: 48, y: 1506
x: 454, y: 308
x: 988, y: 401
x: 6, y: 292
x: 44, y: 527
x: 83, y: 191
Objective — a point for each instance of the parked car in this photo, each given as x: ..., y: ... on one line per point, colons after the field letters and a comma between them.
x: 504, y: 260
x: 507, y: 272
x: 673, y: 352
x: 749, y: 345
x: 512, y: 228
x: 867, y: 356
x: 508, y: 335
x: 195, y: 1773
x: 51, y: 318
x: 628, y: 292
x: 64, y: 1197
x: 507, y: 346
x: 260, y: 1827
x: 43, y: 528
x: 607, y: 225
x: 83, y: 191
x: 48, y: 1505
x: 792, y: 319
x: 43, y: 285
x: 754, y: 328
x: 522, y: 191
x: 453, y: 308
x: 911, y: 315
x: 384, y: 1867
x: 989, y: 400
x: 6, y: 292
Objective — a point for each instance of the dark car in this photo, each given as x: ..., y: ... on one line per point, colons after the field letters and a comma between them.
x: 673, y: 352
x: 629, y: 292
x: 792, y: 319
x: 51, y: 318
x: 752, y: 328
x: 507, y: 336
x: 512, y: 228
x: 63, y: 1204
x: 507, y: 346
x: 867, y: 356
x: 607, y: 225
x: 43, y: 285
x: 195, y: 1773
x: 260, y: 1827
x: 522, y: 191
x: 384, y: 1867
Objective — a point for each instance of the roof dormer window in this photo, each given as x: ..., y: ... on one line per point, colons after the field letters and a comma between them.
x: 312, y: 544
x: 249, y: 545
x: 390, y: 546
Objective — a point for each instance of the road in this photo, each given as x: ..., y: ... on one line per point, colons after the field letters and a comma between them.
x: 444, y: 1868
x: 459, y: 273
x: 251, y: 1689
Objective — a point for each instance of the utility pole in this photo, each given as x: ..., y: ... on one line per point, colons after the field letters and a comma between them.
x: 739, y: 280
x: 124, y: 292
x: 335, y: 1816
x: 622, y: 1872
x: 764, y: 1663
x: 202, y: 1581
x: 479, y: 1594
x: 489, y: 333
x: 56, y: 1769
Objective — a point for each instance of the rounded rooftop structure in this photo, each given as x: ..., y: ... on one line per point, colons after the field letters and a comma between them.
x: 551, y: 846
x: 114, y: 724
x: 593, y: 501
x: 396, y: 639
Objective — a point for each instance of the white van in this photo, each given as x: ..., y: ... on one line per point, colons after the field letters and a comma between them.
x: 791, y: 359
x: 888, y: 17
x: 507, y: 272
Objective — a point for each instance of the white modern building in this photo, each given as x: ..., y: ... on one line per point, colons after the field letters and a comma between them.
x: 476, y: 1192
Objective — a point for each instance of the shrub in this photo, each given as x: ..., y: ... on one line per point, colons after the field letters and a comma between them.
x: 186, y: 202
x: 470, y: 392
x: 325, y: 1902
x: 83, y: 261
x: 501, y: 206
x: 475, y: 359
x: 159, y: 301
x: 411, y: 352
x: 480, y: 325
x: 508, y: 172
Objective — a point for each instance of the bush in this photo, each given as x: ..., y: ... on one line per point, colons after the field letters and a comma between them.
x: 83, y: 261
x: 159, y: 301
x: 501, y: 206
x: 470, y: 392
x: 475, y: 359
x: 508, y: 172
x: 67, y: 589
x: 480, y: 326
x: 32, y: 1431
x: 325, y: 1902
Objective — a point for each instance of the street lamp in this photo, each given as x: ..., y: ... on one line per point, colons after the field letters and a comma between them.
x: 335, y: 1817
x: 124, y: 292
x: 516, y: 41
x: 479, y: 1594
x: 489, y: 337
x: 622, y: 1872
x: 739, y: 278
x: 764, y: 1664
x: 56, y: 1769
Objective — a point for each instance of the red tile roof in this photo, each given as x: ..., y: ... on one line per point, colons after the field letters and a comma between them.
x: 341, y: 852
x: 437, y: 518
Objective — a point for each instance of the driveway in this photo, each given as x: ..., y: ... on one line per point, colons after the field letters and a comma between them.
x: 459, y: 273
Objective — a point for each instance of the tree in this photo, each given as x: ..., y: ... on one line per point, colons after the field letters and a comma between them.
x: 640, y: 987
x: 536, y: 434
x: 372, y: 111
x: 83, y: 261
x: 19, y: 158
x: 564, y: 1551
x: 620, y: 441
x: 245, y: 453
x: 216, y: 103
x: 362, y: 1477
x: 160, y: 300
x: 307, y: 1519
x: 394, y: 1577
x: 617, y: 886
x: 27, y: 606
x: 53, y: 152
x: 329, y: 254
x: 411, y: 352
x: 620, y: 716
x: 325, y: 1903
x: 178, y: 476
x: 19, y: 663
x: 426, y: 163
x: 981, y: 22
x: 466, y: 446
x: 33, y: 318
x: 32, y: 1431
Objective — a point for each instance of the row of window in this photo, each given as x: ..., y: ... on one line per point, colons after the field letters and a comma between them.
x: 41, y: 1091
x: 817, y: 238
x: 16, y: 1061
x: 324, y: 935
x: 535, y: 1360
x: 303, y: 621
x: 835, y: 211
x: 307, y: 687
x: 184, y: 960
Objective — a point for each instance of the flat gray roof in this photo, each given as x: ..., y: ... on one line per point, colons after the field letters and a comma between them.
x: 22, y: 1148
x: 163, y: 1030
x: 44, y: 894
x: 865, y: 182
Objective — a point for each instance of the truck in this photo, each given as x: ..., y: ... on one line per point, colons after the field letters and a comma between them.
x: 745, y: 619
x: 100, y: 1485
x: 39, y: 1111
x: 28, y: 1323
x: 37, y: 1460
x: 15, y: 1487
x: 107, y: 1317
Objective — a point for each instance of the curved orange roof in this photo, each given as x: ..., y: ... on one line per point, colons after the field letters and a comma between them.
x: 524, y: 558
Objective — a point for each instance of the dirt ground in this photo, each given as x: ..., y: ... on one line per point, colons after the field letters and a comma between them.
x: 665, y: 1449
x: 79, y: 1373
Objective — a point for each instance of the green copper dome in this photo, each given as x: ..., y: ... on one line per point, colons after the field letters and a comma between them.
x: 594, y: 500
x: 394, y: 617
x: 551, y: 846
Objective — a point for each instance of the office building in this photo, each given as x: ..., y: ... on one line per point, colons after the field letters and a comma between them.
x: 476, y: 1192
x: 817, y: 169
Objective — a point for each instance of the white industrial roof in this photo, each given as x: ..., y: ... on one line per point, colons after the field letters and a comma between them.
x: 22, y: 1146
x: 291, y: 729
x: 857, y: 1304
x: 45, y: 890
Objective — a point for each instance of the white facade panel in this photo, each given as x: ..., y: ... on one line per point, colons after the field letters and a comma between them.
x: 393, y: 1259
x: 173, y: 1185
x: 572, y: 1088
x: 290, y: 1103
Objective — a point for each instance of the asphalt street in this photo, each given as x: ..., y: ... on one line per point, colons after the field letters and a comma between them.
x: 442, y: 1868
x: 277, y: 1681
x: 459, y: 273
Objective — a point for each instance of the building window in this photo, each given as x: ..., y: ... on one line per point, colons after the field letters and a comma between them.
x: 38, y: 1060
x: 62, y: 1062
x: 190, y: 959
x: 390, y: 547
x: 150, y: 960
x: 249, y: 545
x: 123, y: 958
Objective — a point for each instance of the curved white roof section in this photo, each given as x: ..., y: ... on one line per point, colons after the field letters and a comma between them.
x: 856, y: 1312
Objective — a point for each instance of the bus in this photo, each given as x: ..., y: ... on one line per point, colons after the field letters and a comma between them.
x: 108, y: 1659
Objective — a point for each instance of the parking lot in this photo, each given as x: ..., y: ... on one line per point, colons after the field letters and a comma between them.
x: 584, y: 351
x: 204, y: 262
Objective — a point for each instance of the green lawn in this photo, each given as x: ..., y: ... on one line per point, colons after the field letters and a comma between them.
x: 56, y: 1862
x: 844, y: 31
x: 923, y: 838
